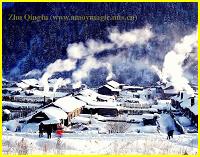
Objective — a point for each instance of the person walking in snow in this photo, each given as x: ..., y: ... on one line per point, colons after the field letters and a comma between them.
x: 49, y: 131
x: 170, y: 134
x: 59, y: 130
x: 41, y: 129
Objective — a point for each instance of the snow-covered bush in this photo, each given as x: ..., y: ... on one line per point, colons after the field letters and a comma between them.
x: 60, y: 146
x: 8, y: 146
x: 118, y: 125
x: 22, y: 147
x: 52, y: 146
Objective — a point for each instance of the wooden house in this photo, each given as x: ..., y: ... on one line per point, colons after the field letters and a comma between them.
x: 69, y: 105
x: 111, y: 88
x: 49, y: 116
x: 105, y: 108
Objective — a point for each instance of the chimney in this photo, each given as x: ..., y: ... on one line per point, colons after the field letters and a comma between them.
x: 192, y: 101
x: 44, y: 102
x: 181, y: 95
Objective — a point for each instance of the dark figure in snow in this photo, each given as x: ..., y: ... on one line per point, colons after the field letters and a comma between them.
x: 170, y: 134
x: 18, y: 129
x: 41, y: 129
x: 49, y: 131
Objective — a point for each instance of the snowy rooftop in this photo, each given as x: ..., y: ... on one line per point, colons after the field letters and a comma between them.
x: 113, y: 83
x: 31, y: 82
x: 6, y: 111
x: 13, y: 89
x: 54, y: 113
x: 112, y: 89
x: 94, y: 95
x: 187, y: 104
x: 97, y: 104
x: 148, y: 116
x: 19, y: 104
x: 38, y: 93
x: 51, y: 121
x: 22, y: 85
x: 4, y: 80
x: 48, y: 94
x: 133, y: 87
x: 185, y: 96
x: 144, y: 92
x: 170, y: 91
x: 69, y: 103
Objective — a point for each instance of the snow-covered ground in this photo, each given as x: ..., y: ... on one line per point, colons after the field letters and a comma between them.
x: 93, y: 143
x: 138, y: 139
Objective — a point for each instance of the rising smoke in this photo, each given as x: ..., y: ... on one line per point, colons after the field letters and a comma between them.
x: 174, y: 59
x: 87, y: 51
x: 125, y: 65
x: 173, y: 66
x: 117, y: 40
x: 58, y: 66
x: 60, y: 82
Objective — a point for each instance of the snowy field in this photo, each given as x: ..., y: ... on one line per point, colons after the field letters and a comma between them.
x: 88, y: 143
x: 97, y: 140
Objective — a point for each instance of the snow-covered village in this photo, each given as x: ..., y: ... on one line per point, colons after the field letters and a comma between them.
x: 100, y: 87
x: 111, y: 119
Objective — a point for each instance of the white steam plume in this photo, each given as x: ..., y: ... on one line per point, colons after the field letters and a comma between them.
x: 90, y: 63
x: 89, y: 49
x: 60, y: 82
x: 96, y: 46
x: 77, y: 50
x: 118, y: 40
x: 127, y: 39
x: 58, y: 66
x: 172, y: 67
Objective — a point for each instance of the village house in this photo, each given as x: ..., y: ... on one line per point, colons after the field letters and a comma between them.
x: 111, y: 88
x: 108, y: 108
x: 6, y: 115
x: 188, y: 104
x: 132, y: 88
x: 169, y: 90
x: 71, y: 106
x: 28, y: 84
x: 49, y: 116
x: 96, y: 96
x: 108, y: 90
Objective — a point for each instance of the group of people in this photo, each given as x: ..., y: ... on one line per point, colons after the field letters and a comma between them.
x: 48, y: 129
x: 59, y: 131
